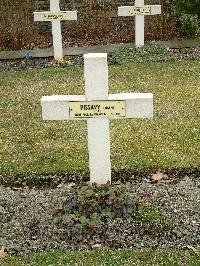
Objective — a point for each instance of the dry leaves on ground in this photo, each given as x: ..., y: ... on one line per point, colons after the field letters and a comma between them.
x: 159, y: 176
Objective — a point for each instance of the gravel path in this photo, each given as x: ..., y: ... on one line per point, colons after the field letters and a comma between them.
x: 26, y: 224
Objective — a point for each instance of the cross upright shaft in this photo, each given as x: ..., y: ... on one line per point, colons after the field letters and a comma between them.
x: 139, y: 25
x: 56, y: 31
x: 96, y: 88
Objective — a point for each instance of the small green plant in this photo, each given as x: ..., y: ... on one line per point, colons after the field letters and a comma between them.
x: 144, y: 54
x: 89, y: 207
x: 154, y: 218
x: 27, y: 58
x: 189, y: 25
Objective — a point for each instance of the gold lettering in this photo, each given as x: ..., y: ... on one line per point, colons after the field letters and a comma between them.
x: 140, y: 11
x: 54, y: 16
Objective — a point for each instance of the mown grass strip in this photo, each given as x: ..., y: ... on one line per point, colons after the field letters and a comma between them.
x: 32, y: 146
x: 108, y: 258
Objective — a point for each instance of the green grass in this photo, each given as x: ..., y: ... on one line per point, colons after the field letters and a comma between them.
x: 171, y: 139
x: 109, y: 258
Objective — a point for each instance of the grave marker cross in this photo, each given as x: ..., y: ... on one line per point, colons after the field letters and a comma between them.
x: 139, y: 11
x: 56, y: 16
x: 97, y: 107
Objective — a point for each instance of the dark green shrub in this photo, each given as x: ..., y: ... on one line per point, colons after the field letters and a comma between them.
x: 188, y: 25
x: 187, y: 13
x: 180, y: 7
x: 188, y: 7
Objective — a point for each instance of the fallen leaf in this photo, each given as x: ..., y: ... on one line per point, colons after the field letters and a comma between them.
x: 2, y: 253
x: 159, y: 176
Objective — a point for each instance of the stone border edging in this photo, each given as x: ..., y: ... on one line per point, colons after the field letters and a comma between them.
x: 70, y: 51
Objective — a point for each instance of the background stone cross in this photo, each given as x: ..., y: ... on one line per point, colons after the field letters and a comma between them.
x: 139, y: 11
x: 56, y: 16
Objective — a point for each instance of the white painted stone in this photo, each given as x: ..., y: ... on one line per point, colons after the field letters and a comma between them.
x: 130, y: 11
x: 96, y: 88
x: 139, y: 11
x: 137, y: 105
x: 55, y: 16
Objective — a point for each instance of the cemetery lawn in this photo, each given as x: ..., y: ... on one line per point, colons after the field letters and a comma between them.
x: 110, y: 258
x: 31, y: 147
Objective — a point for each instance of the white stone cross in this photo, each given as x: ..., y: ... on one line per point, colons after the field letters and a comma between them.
x: 56, y: 16
x: 97, y: 107
x: 139, y: 11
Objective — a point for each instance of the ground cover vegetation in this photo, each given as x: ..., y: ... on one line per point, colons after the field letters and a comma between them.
x: 89, y: 207
x: 150, y: 52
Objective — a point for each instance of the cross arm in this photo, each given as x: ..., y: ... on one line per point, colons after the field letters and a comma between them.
x: 55, y: 16
x: 57, y: 107
x: 125, y: 11
x: 137, y: 105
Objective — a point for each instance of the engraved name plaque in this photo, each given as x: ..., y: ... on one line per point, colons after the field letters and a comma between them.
x: 97, y: 109
x: 140, y: 11
x: 49, y: 16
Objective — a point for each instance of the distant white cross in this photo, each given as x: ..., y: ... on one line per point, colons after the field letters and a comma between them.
x: 97, y: 107
x: 55, y: 16
x: 139, y: 11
